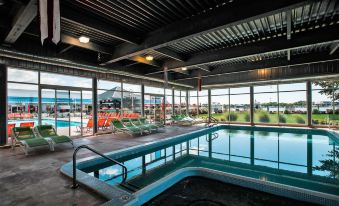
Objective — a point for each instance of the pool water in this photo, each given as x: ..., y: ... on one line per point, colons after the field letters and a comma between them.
x: 60, y: 123
x: 303, y: 159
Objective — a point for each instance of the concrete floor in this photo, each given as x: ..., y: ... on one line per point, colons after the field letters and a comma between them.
x: 36, y: 180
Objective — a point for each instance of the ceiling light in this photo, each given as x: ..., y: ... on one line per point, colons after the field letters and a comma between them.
x: 84, y: 39
x: 184, y: 68
x: 149, y: 58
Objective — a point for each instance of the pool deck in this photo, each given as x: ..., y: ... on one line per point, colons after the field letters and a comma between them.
x: 36, y: 179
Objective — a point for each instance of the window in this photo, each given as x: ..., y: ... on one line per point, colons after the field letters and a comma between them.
x: 109, y: 96
x: 266, y: 105
x: 168, y: 104
x: 239, y: 105
x: 65, y: 80
x: 193, y: 103
x: 203, y: 103
x: 220, y: 104
x: 131, y: 98
x: 177, y: 102
x: 292, y: 103
x: 325, y: 103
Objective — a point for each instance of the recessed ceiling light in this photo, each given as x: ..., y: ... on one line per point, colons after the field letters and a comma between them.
x: 84, y: 39
x: 184, y: 68
x: 149, y: 58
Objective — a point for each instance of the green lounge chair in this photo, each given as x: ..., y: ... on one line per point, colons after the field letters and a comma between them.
x: 26, y: 139
x: 120, y: 127
x: 144, y: 127
x: 48, y: 132
x: 144, y: 121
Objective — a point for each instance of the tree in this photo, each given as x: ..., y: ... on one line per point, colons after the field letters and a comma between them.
x: 328, y: 88
x: 331, y: 164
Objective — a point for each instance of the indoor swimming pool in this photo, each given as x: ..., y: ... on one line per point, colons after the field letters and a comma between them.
x: 301, y: 164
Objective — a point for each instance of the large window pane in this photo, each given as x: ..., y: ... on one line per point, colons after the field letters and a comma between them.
x: 154, y: 90
x: 266, y: 105
x: 20, y: 75
x: 65, y: 80
x: 239, y: 105
x: 219, y: 107
x: 293, y: 106
x: 193, y: 104
x: 22, y: 104
x: 183, y: 102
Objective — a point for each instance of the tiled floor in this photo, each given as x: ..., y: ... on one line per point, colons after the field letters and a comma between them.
x: 36, y: 179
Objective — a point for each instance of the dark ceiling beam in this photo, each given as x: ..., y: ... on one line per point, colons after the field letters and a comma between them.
x: 64, y: 49
x: 334, y: 48
x: 90, y: 45
x: 101, y: 26
x: 265, y: 63
x: 143, y: 60
x: 171, y: 54
x: 299, y: 40
x: 204, y: 68
x: 223, y: 17
x: 21, y: 21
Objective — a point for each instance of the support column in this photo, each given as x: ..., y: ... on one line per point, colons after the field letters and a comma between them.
x: 209, y: 106
x: 3, y: 104
x: 142, y: 100
x: 95, y: 104
x: 40, y: 101
x: 187, y: 102
x: 309, y: 103
x: 251, y: 105
x: 174, y: 102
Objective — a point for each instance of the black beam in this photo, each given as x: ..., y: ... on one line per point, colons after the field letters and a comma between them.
x: 90, y: 45
x: 225, y: 16
x: 171, y: 54
x: 21, y: 21
x: 270, y: 63
x: 334, y: 48
x: 3, y: 104
x: 329, y: 34
x: 99, y: 25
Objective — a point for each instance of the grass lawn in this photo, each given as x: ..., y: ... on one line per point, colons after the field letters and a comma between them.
x: 273, y: 118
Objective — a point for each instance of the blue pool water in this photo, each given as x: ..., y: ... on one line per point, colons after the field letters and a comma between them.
x: 306, y: 159
x: 60, y: 123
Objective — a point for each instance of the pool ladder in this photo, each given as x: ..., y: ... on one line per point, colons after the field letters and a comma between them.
x: 212, y: 122
x: 214, y: 136
x: 75, y: 184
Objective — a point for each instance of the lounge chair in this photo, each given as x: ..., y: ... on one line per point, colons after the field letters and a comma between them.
x: 9, y: 128
x: 27, y: 140
x: 88, y: 127
x: 101, y: 123
x: 144, y: 121
x: 48, y: 132
x: 145, y: 127
x: 27, y: 124
x: 120, y: 127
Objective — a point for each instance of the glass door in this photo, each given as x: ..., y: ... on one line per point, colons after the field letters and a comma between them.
x: 65, y: 110
x: 63, y: 107
x: 75, y: 113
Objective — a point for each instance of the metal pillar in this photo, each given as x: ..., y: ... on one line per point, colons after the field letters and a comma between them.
x: 209, y: 106
x: 309, y: 103
x: 187, y: 103
x: 251, y: 105
x: 3, y: 104
x: 95, y: 104
x: 173, y: 102
x: 142, y: 100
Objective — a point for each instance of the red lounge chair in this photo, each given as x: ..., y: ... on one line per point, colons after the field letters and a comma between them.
x: 9, y: 128
x: 108, y: 122
x: 27, y: 124
x: 101, y: 123
x: 88, y: 126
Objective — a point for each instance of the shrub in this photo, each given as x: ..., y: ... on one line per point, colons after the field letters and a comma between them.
x: 222, y: 119
x: 232, y: 116
x: 287, y: 112
x: 300, y: 120
x: 247, y: 117
x: 315, y: 121
x: 316, y: 111
x: 282, y: 118
x: 263, y: 117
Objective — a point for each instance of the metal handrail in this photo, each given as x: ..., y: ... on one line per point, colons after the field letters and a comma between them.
x: 75, y: 184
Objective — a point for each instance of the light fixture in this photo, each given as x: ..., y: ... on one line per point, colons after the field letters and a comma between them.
x: 84, y: 39
x: 184, y: 68
x: 149, y: 58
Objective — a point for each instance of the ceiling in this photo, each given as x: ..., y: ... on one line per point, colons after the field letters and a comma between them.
x: 206, y: 37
